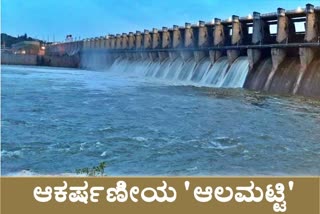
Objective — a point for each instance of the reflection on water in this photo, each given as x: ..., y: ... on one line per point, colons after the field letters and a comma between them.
x: 57, y: 120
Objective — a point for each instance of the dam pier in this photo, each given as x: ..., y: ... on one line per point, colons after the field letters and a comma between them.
x: 276, y: 52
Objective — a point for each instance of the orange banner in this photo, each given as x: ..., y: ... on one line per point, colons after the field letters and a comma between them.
x: 160, y: 195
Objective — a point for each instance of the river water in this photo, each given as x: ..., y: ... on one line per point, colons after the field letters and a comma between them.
x: 55, y: 121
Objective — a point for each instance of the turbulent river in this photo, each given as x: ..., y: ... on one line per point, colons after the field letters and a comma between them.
x: 55, y: 121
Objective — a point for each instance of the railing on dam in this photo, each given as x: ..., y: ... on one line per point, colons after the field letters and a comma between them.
x: 238, y: 47
x: 283, y: 29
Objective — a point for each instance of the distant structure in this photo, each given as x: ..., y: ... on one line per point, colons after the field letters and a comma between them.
x: 26, y: 47
x: 69, y: 38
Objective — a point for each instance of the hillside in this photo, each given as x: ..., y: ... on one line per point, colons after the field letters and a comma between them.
x: 9, y: 40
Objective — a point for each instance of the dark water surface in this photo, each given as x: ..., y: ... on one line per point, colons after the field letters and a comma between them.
x: 57, y: 120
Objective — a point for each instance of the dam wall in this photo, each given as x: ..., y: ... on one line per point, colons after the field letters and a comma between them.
x: 275, y: 52
x: 61, y: 61
x: 17, y: 59
x: 37, y: 60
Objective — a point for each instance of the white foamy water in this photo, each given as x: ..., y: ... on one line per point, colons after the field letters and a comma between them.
x: 190, y: 72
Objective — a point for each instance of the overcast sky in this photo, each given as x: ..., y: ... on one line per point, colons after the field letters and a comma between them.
x: 45, y: 19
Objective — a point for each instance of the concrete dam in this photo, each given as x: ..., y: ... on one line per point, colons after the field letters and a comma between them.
x: 275, y: 52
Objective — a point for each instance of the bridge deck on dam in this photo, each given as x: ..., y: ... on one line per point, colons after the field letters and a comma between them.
x: 237, y: 47
x: 299, y: 28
